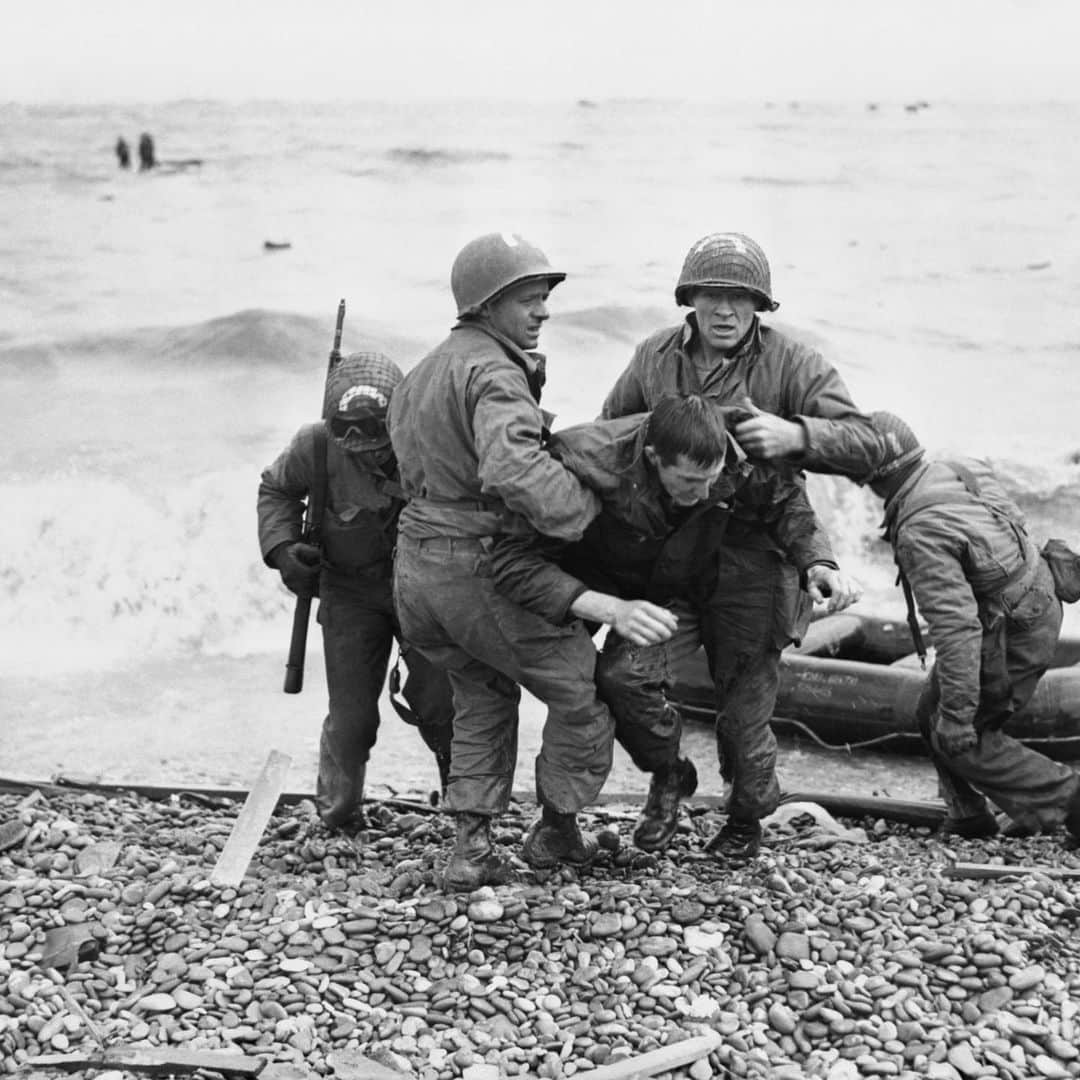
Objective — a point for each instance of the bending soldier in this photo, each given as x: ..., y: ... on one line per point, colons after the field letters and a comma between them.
x: 351, y: 576
x: 990, y: 603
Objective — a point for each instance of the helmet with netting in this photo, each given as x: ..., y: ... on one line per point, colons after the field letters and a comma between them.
x: 897, y: 446
x: 726, y: 260
x: 358, y: 392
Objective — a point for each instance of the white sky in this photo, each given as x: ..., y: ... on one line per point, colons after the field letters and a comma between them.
x: 151, y: 50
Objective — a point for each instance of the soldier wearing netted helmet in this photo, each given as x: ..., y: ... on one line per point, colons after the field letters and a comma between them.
x: 470, y: 436
x: 348, y: 456
x: 796, y: 412
x: 992, y: 604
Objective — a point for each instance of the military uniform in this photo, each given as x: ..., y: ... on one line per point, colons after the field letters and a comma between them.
x: 468, y: 432
x: 756, y: 606
x: 641, y: 546
x: 356, y: 610
x: 988, y: 599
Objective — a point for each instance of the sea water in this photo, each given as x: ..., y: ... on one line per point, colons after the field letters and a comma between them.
x: 155, y: 355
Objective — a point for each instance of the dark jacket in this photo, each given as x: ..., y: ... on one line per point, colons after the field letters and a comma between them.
x: 770, y: 371
x: 468, y: 433
x: 363, y: 501
x: 969, y: 561
x: 641, y: 546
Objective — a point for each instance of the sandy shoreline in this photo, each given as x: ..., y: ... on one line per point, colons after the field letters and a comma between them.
x: 212, y: 720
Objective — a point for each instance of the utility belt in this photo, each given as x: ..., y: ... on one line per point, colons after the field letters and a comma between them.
x: 447, y: 545
x: 379, y: 570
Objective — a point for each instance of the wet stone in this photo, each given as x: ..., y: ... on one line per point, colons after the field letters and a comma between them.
x: 686, y: 912
x: 793, y: 946
x: 606, y: 924
x: 1027, y: 978
x: 759, y: 935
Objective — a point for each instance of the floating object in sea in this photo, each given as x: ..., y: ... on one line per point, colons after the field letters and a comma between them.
x: 854, y: 683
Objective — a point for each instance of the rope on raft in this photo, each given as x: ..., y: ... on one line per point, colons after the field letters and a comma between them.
x: 1056, y: 741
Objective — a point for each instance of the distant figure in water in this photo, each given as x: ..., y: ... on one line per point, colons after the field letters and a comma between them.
x: 146, y: 152
x: 123, y: 153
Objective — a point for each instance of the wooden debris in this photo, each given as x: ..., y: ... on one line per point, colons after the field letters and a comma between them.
x: 96, y: 858
x: 353, y: 1064
x: 664, y: 1059
x: 992, y: 871
x: 154, y: 1060
x: 65, y: 946
x: 233, y: 862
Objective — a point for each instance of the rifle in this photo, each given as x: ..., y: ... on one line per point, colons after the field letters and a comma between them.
x: 316, y: 504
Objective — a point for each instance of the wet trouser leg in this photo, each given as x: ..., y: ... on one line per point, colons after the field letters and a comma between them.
x: 755, y: 610
x: 634, y: 681
x: 449, y: 609
x: 358, y: 631
x: 1031, y: 788
x: 427, y: 693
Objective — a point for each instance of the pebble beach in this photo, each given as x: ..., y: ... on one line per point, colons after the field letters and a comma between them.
x: 846, y: 950
x: 929, y: 253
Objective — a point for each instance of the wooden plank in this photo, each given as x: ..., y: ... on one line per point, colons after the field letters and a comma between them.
x: 154, y: 1060
x: 233, y: 861
x: 992, y: 871
x: 930, y: 814
x: 664, y: 1059
x: 844, y: 805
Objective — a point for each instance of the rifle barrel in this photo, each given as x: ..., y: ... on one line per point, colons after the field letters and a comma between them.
x: 335, y: 352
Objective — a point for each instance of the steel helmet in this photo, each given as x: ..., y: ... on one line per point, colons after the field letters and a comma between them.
x: 358, y: 392
x: 727, y: 259
x: 488, y: 265
x: 898, y: 445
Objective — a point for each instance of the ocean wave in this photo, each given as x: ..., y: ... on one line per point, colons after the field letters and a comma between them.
x: 252, y: 337
x: 93, y: 567
x: 614, y: 322
x: 796, y: 181
x: 423, y: 156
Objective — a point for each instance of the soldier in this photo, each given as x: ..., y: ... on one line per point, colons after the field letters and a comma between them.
x: 797, y: 411
x: 989, y: 601
x: 469, y: 435
x: 667, y: 481
x: 351, y: 574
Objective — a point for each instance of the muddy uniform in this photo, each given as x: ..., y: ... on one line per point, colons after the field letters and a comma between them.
x: 988, y: 599
x: 356, y: 609
x: 644, y: 547
x: 468, y: 433
x: 757, y: 606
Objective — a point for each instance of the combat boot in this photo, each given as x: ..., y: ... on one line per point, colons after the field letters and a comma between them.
x: 556, y: 838
x: 1072, y: 816
x: 660, y: 817
x: 338, y: 816
x: 737, y: 841
x: 978, y: 826
x: 473, y: 862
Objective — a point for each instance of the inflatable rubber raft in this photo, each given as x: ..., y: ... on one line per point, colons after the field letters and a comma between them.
x: 855, y: 680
